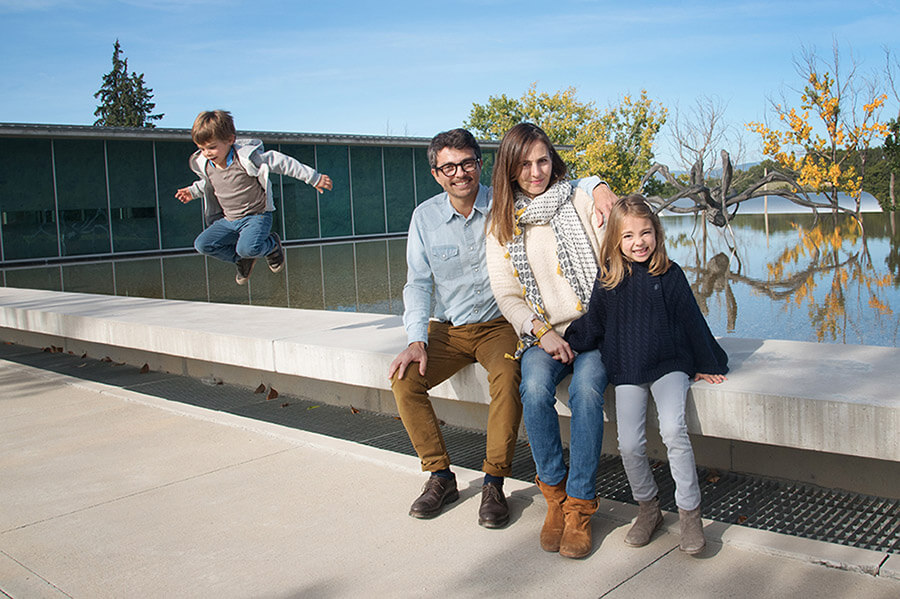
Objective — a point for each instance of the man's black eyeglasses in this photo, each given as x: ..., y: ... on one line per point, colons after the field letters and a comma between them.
x: 468, y: 165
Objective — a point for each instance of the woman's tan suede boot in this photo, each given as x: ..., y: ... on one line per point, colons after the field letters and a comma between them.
x: 576, y: 538
x: 649, y: 518
x: 692, y: 540
x: 552, y: 531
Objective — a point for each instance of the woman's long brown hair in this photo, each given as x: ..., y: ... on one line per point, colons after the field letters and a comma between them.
x: 507, y: 165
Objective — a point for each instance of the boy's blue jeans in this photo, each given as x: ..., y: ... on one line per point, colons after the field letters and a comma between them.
x: 229, y: 241
x: 540, y: 376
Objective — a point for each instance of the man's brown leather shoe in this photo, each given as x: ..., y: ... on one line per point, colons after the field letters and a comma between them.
x: 437, y: 492
x: 494, y: 512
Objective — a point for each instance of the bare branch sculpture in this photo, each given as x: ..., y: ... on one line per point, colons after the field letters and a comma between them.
x: 718, y: 204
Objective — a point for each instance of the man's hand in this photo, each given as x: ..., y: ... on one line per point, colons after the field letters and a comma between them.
x: 604, y: 199
x: 415, y: 352
x: 183, y: 195
x: 557, y: 347
x: 324, y: 183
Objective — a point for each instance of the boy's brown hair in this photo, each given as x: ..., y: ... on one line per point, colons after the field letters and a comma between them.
x: 213, y: 124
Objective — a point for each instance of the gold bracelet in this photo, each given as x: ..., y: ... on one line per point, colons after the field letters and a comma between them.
x: 546, y: 328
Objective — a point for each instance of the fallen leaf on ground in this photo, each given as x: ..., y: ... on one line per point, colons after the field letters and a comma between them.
x: 106, y: 359
x: 713, y: 476
x: 272, y: 394
x: 284, y: 405
x: 354, y: 410
x: 260, y: 389
x: 312, y: 407
x: 741, y: 519
x: 145, y: 369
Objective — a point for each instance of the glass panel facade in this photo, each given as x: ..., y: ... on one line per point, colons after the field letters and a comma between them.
x: 132, y: 195
x: 184, y: 277
x: 89, y: 278
x: 399, y: 187
x: 27, y: 204
x: 267, y: 288
x: 397, y: 267
x: 304, y: 271
x: 66, y: 196
x: 48, y: 278
x: 81, y: 196
x: 334, y: 206
x: 139, y: 278
x: 426, y: 186
x: 340, y: 289
x: 300, y: 209
x: 487, y: 166
x: 372, y: 277
x: 368, y: 190
x: 179, y: 223
x: 221, y: 286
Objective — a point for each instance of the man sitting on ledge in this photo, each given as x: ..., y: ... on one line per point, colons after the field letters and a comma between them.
x: 446, y: 262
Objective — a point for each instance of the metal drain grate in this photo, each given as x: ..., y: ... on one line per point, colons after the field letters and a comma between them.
x: 790, y: 508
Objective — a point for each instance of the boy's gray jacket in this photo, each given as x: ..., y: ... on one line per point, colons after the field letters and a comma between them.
x: 257, y: 163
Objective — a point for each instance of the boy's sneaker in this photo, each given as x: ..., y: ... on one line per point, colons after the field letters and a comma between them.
x: 276, y: 257
x: 244, y: 268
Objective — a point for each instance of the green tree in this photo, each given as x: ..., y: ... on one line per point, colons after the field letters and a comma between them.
x: 124, y: 99
x: 615, y: 144
x: 891, y: 163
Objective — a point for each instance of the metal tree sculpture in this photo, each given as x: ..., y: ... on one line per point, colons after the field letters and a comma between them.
x: 718, y: 204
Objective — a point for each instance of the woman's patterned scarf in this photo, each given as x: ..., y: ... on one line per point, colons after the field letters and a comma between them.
x: 573, y: 248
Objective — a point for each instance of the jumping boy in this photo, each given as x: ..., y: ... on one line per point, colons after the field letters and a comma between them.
x: 237, y: 195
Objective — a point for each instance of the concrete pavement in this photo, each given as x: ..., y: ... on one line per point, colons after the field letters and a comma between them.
x: 105, y: 492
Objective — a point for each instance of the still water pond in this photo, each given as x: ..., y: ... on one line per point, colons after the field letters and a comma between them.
x: 784, y: 277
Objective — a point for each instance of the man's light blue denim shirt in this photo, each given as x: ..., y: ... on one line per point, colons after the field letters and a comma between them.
x: 445, y: 259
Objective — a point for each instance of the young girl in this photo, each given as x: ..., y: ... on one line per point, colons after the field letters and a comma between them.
x: 653, y: 339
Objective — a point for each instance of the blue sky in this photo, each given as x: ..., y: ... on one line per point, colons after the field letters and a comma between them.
x: 415, y: 68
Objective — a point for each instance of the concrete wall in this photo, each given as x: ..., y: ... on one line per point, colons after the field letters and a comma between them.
x: 825, y: 414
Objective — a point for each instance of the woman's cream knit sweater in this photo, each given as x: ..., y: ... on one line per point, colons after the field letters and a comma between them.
x: 560, y: 302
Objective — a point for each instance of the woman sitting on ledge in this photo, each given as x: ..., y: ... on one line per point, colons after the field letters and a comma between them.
x: 541, y: 251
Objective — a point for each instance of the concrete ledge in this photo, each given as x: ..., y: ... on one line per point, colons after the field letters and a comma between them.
x: 841, y: 399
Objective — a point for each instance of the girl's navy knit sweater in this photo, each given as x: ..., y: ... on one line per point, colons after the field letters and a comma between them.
x: 646, y: 327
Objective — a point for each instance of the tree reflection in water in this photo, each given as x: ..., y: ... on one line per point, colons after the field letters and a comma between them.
x: 810, y: 281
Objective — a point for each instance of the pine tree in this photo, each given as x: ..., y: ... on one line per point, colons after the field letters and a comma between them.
x: 124, y: 100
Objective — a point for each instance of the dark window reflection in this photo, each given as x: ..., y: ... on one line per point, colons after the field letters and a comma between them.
x: 368, y: 190
x: 300, y: 209
x: 27, y: 205
x: 132, y: 195
x: 334, y: 205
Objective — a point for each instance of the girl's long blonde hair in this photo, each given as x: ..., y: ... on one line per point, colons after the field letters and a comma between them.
x: 613, y: 264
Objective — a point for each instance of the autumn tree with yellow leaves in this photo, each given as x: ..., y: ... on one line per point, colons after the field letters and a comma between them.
x: 835, y: 126
x: 616, y: 144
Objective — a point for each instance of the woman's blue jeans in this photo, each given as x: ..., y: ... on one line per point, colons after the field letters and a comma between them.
x: 540, y: 376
